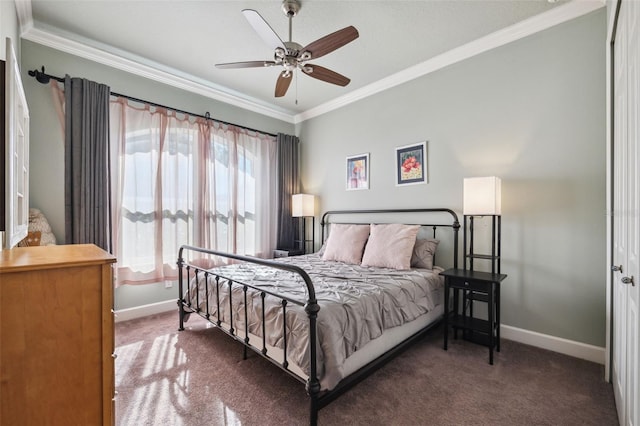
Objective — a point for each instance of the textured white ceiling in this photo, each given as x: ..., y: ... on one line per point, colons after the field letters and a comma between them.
x: 189, y: 37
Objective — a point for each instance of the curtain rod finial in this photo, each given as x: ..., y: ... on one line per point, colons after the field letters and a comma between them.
x: 41, y: 76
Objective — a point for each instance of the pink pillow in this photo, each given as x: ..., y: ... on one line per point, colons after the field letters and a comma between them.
x: 390, y: 246
x: 346, y: 243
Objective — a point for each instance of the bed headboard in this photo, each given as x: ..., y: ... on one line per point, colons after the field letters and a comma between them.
x: 431, y: 220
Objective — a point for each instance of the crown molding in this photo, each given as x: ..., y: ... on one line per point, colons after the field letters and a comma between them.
x: 136, y: 65
x: 150, y: 71
x: 543, y: 21
x: 25, y: 16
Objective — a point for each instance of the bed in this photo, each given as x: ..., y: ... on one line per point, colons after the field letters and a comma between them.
x: 359, y: 298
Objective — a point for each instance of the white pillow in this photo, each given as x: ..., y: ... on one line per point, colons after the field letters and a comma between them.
x: 390, y: 246
x: 346, y: 243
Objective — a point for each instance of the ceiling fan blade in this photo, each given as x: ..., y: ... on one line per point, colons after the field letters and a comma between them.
x: 324, y: 74
x: 282, y: 85
x: 263, y: 29
x: 247, y: 64
x: 331, y: 42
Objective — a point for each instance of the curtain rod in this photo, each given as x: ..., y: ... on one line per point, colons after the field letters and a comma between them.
x: 44, y: 78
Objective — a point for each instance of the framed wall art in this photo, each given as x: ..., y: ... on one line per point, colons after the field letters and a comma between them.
x: 358, y: 172
x: 411, y: 164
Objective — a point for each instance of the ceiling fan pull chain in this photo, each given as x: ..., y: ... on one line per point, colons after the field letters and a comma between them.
x: 296, y: 86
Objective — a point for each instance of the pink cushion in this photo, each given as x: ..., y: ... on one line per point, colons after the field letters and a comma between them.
x: 423, y: 253
x: 346, y: 243
x: 390, y: 246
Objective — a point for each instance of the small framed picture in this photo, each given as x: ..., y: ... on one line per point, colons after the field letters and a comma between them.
x: 358, y: 172
x: 411, y: 164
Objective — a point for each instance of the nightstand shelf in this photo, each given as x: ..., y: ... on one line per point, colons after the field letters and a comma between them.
x: 483, y: 256
x: 469, y: 323
x: 473, y: 286
x: 475, y: 330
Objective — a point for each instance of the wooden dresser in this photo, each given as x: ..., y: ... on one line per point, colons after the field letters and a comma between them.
x: 56, y: 336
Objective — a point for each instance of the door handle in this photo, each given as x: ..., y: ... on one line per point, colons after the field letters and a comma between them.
x: 628, y: 280
x: 616, y: 268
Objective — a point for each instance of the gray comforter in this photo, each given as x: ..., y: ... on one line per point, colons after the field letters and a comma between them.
x: 357, y: 304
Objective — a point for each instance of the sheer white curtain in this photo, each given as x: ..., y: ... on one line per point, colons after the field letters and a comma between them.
x: 181, y: 180
x: 243, y: 172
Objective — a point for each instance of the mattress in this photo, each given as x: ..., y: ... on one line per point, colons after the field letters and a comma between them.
x: 364, y: 311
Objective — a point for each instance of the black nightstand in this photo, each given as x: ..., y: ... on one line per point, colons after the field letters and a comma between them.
x: 475, y: 286
x: 287, y: 252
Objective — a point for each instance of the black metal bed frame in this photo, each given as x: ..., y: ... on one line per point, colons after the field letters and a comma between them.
x: 318, y: 399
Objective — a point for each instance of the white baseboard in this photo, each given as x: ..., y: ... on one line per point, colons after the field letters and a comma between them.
x: 544, y: 341
x: 552, y: 343
x: 146, y: 310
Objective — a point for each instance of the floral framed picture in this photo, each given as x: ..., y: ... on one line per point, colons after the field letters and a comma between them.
x: 358, y: 172
x: 411, y: 164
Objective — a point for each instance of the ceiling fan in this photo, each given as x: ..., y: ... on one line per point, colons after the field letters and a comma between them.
x: 291, y: 55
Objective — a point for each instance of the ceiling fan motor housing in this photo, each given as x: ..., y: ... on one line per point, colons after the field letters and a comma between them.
x: 290, y: 7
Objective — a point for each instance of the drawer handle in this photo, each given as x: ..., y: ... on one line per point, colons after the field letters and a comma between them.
x: 616, y: 268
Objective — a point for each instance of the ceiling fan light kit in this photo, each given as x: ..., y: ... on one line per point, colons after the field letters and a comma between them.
x: 291, y: 55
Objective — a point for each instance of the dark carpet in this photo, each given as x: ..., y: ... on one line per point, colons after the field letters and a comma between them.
x: 198, y: 377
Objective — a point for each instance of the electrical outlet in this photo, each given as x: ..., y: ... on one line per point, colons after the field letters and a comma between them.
x: 168, y: 284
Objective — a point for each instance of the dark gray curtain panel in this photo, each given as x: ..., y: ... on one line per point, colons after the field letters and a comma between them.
x: 87, y: 205
x: 288, y: 184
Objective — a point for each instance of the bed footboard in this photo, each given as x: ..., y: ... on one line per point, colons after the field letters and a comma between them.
x: 189, y: 271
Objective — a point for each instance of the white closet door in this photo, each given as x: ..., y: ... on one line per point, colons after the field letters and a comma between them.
x: 626, y: 244
x: 619, y: 360
x: 633, y: 214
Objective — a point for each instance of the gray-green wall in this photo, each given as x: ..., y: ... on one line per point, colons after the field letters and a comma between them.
x: 47, y: 154
x: 531, y: 112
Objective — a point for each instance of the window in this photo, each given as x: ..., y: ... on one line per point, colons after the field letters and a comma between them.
x: 181, y: 180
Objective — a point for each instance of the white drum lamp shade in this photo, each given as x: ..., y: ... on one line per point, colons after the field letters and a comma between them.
x: 303, y: 205
x: 482, y: 196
